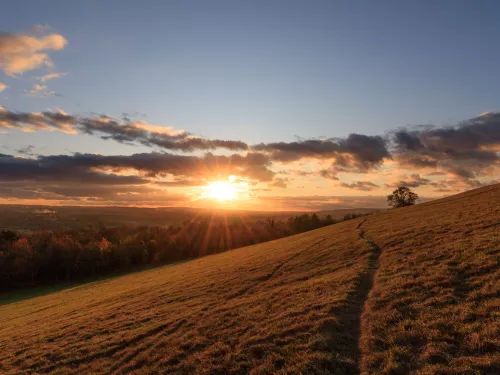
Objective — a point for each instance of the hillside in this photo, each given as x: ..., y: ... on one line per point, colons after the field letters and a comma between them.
x: 340, y: 213
x: 413, y: 290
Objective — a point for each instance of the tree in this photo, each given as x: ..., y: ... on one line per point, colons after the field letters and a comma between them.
x: 24, y: 259
x: 402, y: 197
x: 329, y: 220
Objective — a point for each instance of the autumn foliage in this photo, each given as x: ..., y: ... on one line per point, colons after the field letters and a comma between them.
x: 67, y: 255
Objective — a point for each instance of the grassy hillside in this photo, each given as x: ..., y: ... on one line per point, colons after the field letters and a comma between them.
x: 412, y: 290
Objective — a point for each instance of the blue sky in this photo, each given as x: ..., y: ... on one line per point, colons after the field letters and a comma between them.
x: 258, y: 71
x: 270, y: 70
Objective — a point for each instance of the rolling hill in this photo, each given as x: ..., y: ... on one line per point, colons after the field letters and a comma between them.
x: 412, y: 290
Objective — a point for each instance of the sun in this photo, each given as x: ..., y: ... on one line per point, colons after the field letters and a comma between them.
x: 222, y: 191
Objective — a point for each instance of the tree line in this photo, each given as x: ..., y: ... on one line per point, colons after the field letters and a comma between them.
x: 65, y: 255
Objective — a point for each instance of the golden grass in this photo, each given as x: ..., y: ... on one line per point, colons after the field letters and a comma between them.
x: 435, y: 305
x: 278, y: 305
x: 296, y: 305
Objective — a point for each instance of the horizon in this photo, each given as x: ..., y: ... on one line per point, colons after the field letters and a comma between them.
x: 261, y: 106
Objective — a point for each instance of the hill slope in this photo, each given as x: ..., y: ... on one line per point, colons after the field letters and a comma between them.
x: 413, y: 290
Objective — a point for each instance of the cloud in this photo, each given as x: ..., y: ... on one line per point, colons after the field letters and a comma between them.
x: 44, y: 94
x: 357, y: 152
x: 3, y: 87
x: 49, y: 76
x: 26, y: 150
x: 44, y: 169
x: 150, y: 165
x: 412, y: 181
x: 32, y: 121
x: 441, y: 158
x: 111, y: 128
x: 130, y: 178
x: 20, y: 53
x: 279, y: 182
x: 360, y: 185
x: 329, y: 174
x: 466, y: 150
x: 40, y: 91
x: 150, y: 135
x: 37, y: 87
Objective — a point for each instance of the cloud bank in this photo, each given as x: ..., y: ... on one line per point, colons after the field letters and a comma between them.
x: 444, y: 159
x: 467, y: 150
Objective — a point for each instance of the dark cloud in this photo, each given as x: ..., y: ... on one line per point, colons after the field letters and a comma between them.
x: 83, y: 167
x: 28, y: 150
x: 356, y: 152
x: 360, y: 185
x: 329, y: 174
x: 413, y: 181
x: 466, y: 150
x: 46, y: 169
x: 37, y: 120
x: 124, y: 179
x: 407, y: 141
x: 279, y: 182
x: 124, y: 131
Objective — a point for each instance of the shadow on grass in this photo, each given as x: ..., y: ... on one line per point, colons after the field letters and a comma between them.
x: 26, y: 293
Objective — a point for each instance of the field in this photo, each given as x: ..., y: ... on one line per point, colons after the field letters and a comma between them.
x: 412, y: 290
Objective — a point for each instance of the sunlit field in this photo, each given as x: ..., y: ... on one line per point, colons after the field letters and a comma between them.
x: 413, y: 290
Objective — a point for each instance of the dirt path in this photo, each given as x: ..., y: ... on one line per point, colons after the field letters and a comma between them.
x: 364, y: 288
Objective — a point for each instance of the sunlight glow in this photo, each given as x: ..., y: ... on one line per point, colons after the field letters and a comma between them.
x: 222, y: 191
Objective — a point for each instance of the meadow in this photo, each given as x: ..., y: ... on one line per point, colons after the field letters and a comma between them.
x: 410, y: 291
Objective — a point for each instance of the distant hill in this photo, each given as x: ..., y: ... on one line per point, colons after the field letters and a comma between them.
x: 27, y: 217
x: 340, y: 213
x: 20, y: 217
x: 411, y: 290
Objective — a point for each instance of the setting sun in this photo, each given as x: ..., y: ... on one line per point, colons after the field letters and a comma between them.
x: 223, y: 191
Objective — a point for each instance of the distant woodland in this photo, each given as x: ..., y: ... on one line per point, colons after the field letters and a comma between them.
x: 66, y: 255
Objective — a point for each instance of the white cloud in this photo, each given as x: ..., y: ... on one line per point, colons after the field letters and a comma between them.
x: 20, y: 53
x: 49, y: 76
x: 39, y: 91
x: 3, y: 87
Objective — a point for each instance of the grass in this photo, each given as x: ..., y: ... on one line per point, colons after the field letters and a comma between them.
x: 435, y: 305
x: 24, y: 293
x: 413, y: 290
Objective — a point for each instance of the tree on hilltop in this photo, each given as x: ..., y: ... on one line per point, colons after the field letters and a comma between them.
x: 401, y: 197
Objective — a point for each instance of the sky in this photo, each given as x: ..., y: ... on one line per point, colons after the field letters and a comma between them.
x: 285, y: 83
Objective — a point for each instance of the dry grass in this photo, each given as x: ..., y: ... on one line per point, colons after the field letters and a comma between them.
x: 295, y: 305
x: 279, y: 305
x: 435, y: 306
